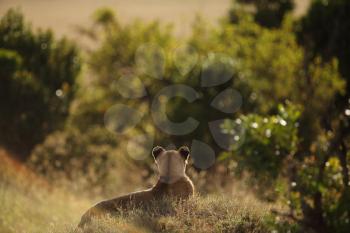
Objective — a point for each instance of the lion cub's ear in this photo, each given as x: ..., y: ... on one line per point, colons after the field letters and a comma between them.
x: 184, y: 152
x: 157, y: 151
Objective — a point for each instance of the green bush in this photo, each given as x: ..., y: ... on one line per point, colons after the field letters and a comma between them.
x: 291, y: 153
x: 263, y: 147
x: 85, y: 159
x: 330, y: 40
x: 37, y: 84
x: 268, y: 13
x: 266, y: 66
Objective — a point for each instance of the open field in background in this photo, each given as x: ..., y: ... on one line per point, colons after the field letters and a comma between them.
x: 60, y: 15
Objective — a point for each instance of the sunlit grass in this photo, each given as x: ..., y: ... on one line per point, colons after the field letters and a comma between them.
x: 30, y: 204
x: 199, y: 214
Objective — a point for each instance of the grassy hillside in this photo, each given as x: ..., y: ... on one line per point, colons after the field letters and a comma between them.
x: 199, y: 214
x: 30, y: 204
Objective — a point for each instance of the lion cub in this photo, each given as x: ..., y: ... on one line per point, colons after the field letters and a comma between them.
x: 172, y: 182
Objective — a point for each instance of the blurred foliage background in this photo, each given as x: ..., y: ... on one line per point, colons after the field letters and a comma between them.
x: 290, y: 135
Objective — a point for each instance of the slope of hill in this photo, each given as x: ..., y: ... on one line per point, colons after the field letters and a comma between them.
x: 31, y: 204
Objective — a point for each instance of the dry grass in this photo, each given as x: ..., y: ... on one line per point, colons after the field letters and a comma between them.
x: 199, y: 214
x: 29, y: 204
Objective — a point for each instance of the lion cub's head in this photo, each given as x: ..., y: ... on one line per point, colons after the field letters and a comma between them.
x: 171, y: 163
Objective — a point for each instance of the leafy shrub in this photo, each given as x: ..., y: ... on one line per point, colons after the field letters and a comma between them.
x: 37, y: 82
x: 330, y: 40
x: 265, y: 144
x: 266, y: 64
x: 76, y: 157
x: 268, y: 13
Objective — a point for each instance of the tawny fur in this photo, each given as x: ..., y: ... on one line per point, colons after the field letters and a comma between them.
x: 173, y: 183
